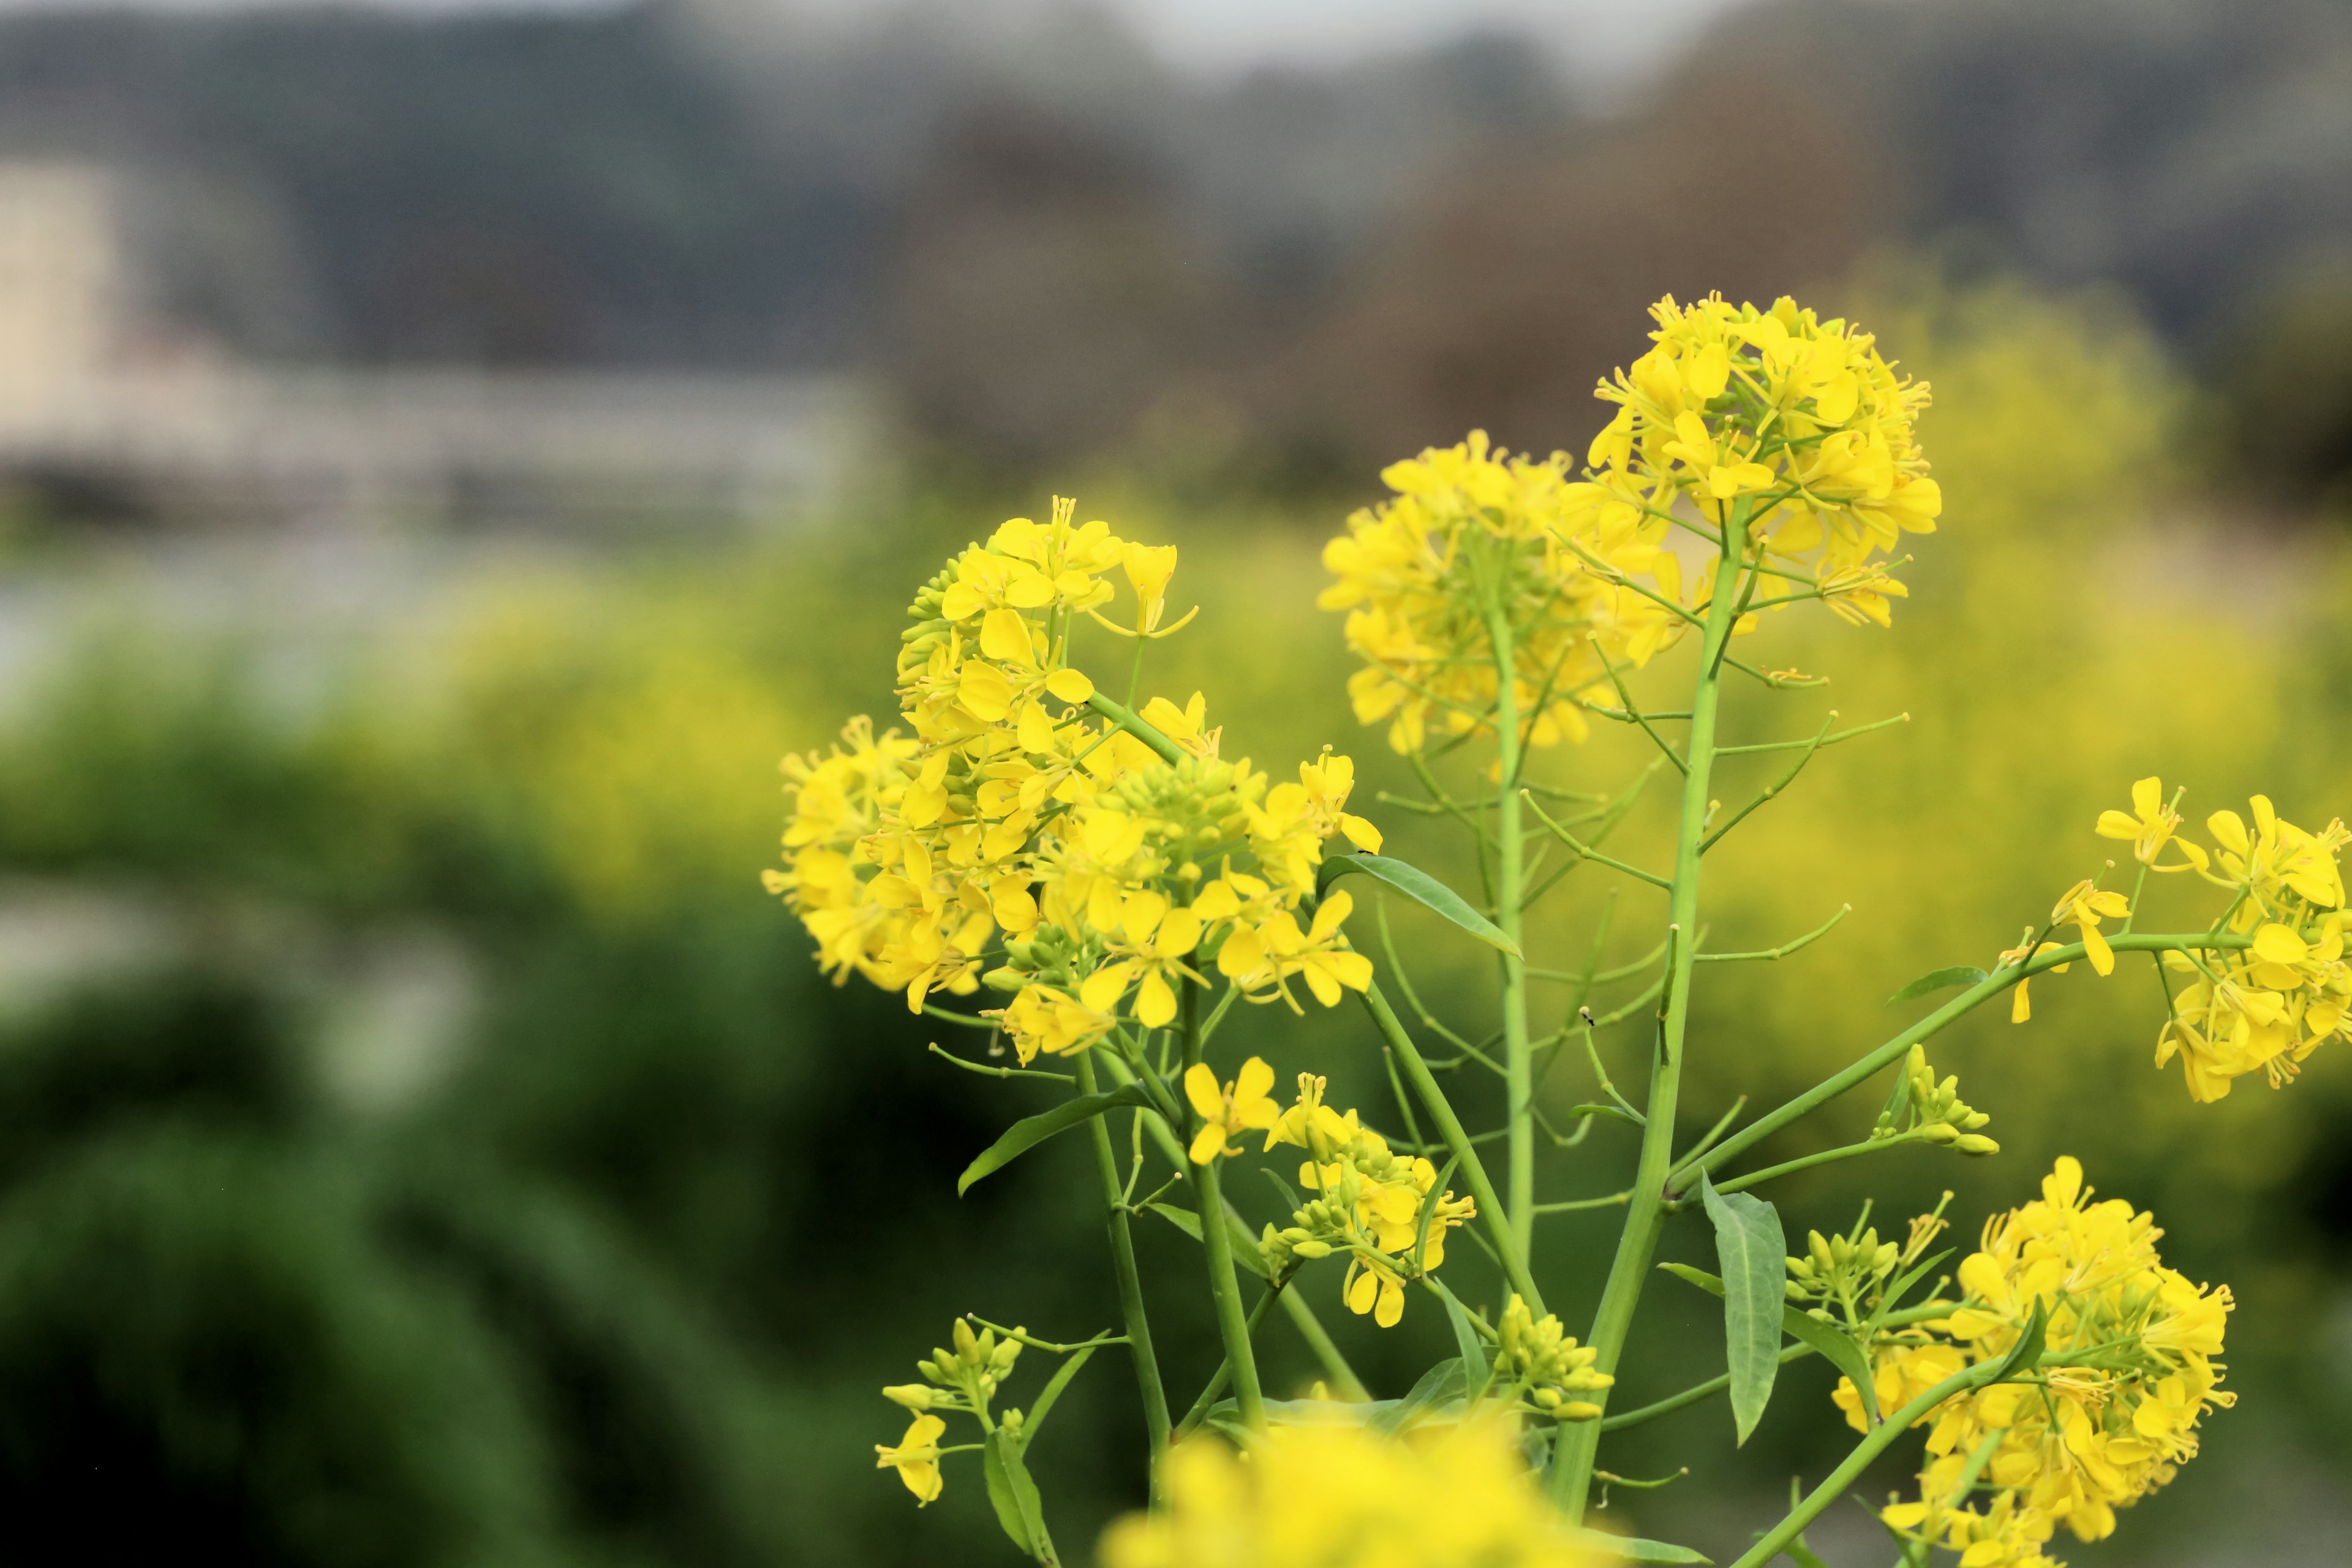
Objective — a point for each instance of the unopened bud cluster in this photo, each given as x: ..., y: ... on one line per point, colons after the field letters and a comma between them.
x: 1935, y: 1113
x: 964, y: 1378
x: 1547, y: 1362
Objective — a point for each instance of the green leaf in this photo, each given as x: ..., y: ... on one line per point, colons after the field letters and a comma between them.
x: 1440, y: 1382
x: 1634, y: 1549
x: 1014, y: 1495
x: 1754, y: 1255
x: 1466, y: 1337
x: 1940, y: 980
x: 1836, y: 1347
x: 1245, y: 1249
x: 1832, y: 1345
x: 1052, y: 1392
x: 1031, y: 1131
x: 2024, y: 1355
x: 1420, y: 886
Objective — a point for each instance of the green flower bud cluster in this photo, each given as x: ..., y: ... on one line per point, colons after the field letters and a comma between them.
x: 1935, y: 1113
x: 1047, y: 953
x: 1543, y: 1358
x: 964, y: 1378
x: 1847, y: 1267
x: 929, y: 612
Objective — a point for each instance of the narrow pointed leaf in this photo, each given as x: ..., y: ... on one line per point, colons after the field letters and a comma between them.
x: 1245, y: 1248
x: 1831, y: 1344
x: 1835, y: 1346
x: 1052, y: 1392
x: 1420, y: 886
x: 1634, y: 1549
x: 2024, y: 1355
x: 1477, y: 1367
x: 1754, y: 1255
x: 1031, y: 1131
x: 1939, y: 980
x: 1012, y: 1493
x: 1444, y: 1382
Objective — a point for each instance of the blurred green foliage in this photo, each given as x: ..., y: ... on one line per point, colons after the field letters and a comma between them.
x: 604, y: 1257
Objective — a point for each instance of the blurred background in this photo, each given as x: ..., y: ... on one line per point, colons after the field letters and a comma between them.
x: 449, y: 451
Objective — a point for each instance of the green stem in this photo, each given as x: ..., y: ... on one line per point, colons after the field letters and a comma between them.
x: 1877, y: 1441
x: 1518, y: 1080
x: 1457, y: 1143
x: 1302, y: 1316
x: 1951, y: 1012
x: 1131, y: 1288
x: 1224, y: 1371
x: 1571, y: 1477
x: 1217, y: 1242
x: 1807, y: 1162
x: 1689, y: 1397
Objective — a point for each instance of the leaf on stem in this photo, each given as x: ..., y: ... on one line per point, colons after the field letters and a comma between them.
x: 1445, y: 1381
x: 1244, y: 1247
x: 1052, y: 1391
x: 1832, y: 1345
x: 1754, y: 1255
x: 1014, y: 1496
x: 1422, y: 888
x: 1939, y: 980
x: 2024, y: 1355
x: 1031, y: 1131
x: 1634, y: 1549
x: 1465, y: 1339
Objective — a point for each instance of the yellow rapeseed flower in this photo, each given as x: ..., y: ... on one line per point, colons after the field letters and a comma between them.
x: 1226, y: 1113
x: 1339, y: 1496
x: 916, y: 1458
x: 2094, y: 1434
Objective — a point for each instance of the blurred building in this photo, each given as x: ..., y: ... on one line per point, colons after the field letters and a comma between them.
x: 109, y: 409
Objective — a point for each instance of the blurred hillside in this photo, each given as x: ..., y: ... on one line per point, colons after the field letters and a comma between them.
x: 1340, y: 263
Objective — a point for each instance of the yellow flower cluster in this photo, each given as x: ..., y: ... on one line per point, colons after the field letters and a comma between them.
x: 1339, y: 1495
x: 2266, y: 1007
x: 1013, y: 817
x: 964, y: 1378
x: 1472, y: 539
x: 1482, y: 560
x: 2128, y: 1372
x: 1798, y: 420
x: 1381, y: 1208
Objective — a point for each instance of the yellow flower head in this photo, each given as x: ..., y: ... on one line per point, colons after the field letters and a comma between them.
x: 1339, y: 1496
x: 1797, y: 421
x: 1468, y: 546
x: 916, y: 1458
x: 1226, y: 1113
x: 2129, y: 1368
x: 2148, y: 826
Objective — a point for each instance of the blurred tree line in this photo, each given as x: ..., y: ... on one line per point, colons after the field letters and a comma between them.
x: 1052, y: 243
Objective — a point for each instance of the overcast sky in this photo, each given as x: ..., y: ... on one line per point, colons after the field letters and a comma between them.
x: 1598, y: 36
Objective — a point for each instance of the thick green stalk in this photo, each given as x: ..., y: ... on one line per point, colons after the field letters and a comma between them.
x: 1457, y: 1143
x: 1571, y: 1476
x: 1519, y: 1074
x: 1216, y: 1242
x: 1130, y: 1286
